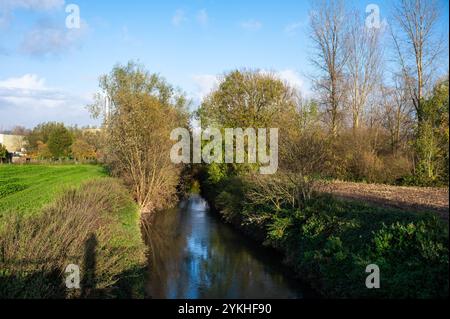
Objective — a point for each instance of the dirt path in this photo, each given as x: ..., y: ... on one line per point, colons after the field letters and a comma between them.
x: 408, y: 198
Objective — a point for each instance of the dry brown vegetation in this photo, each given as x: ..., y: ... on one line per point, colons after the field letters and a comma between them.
x: 84, y: 228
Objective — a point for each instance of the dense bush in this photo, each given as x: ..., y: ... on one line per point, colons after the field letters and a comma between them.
x: 362, y: 155
x: 95, y: 227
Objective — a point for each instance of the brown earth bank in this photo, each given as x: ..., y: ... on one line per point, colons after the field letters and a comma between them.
x: 432, y: 199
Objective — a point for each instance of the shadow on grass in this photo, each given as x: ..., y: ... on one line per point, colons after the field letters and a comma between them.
x: 26, y: 279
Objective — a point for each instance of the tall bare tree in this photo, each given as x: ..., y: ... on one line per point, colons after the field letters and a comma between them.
x: 363, y: 65
x: 397, y: 112
x: 417, y: 46
x: 328, y: 33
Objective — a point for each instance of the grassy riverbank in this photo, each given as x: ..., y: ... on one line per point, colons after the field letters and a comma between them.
x: 329, y: 242
x: 53, y: 216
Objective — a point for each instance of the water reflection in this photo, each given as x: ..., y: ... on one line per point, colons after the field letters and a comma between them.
x: 194, y: 255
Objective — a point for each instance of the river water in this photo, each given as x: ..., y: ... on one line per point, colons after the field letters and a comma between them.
x: 195, y: 255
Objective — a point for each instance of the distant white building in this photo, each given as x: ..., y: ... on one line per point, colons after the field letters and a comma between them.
x: 13, y: 143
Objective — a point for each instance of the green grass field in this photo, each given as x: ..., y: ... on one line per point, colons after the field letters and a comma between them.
x: 26, y: 189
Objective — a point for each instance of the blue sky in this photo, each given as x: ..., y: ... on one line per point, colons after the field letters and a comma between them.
x: 48, y: 72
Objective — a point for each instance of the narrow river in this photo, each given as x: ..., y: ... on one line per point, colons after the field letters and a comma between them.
x: 195, y: 255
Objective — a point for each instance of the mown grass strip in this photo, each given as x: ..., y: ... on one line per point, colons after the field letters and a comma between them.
x: 26, y: 189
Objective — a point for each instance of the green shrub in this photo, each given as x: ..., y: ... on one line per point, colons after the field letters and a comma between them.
x: 414, y: 259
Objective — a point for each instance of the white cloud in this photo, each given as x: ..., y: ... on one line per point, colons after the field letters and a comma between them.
x: 27, y: 100
x: 291, y: 29
x: 204, y: 84
x: 46, y: 38
x: 251, y: 25
x: 291, y: 78
x: 202, y: 17
x: 26, y: 82
x: 39, y: 5
x: 8, y: 6
x: 178, y: 18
